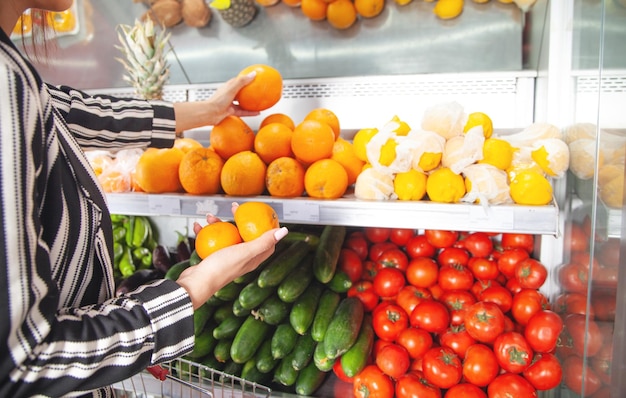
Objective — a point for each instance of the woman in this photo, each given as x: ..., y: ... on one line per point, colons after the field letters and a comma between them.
x: 63, y: 331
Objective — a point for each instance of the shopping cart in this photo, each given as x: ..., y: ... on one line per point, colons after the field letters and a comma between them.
x: 182, y: 378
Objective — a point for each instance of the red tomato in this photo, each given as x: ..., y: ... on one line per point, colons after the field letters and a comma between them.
x: 410, y: 296
x: 377, y: 234
x: 604, y: 392
x: 389, y: 321
x: 415, y: 385
x: 530, y: 273
x: 393, y: 359
x: 513, y: 285
x: 341, y: 375
x: 401, y: 236
x: 573, y: 303
x: 457, y: 302
x: 479, y: 286
x: 484, y: 321
x: 359, y: 244
x: 393, y: 258
x: 442, y: 367
x: 350, y: 263
x: 513, y: 352
x: 422, y: 272
x: 453, y: 256
x: 605, y: 277
x: 378, y: 248
x: 370, y: 269
x: 576, y: 374
x: 509, y: 385
x: 441, y: 239
x: 416, y: 341
x: 378, y: 346
x: 543, y: 330
x: 526, y: 303
x: 575, y: 238
x: 608, y: 252
x: 545, y: 372
x: 515, y: 240
x: 388, y: 282
x: 479, y: 244
x: 508, y: 259
x: 465, y: 390
x: 457, y: 339
x: 455, y: 277
x: 419, y: 246
x: 364, y: 291
x: 586, y: 335
x: 499, y: 295
x: 483, y: 268
x: 480, y: 365
x: 371, y: 382
x: 430, y: 315
x: 603, y: 364
x: 604, y: 305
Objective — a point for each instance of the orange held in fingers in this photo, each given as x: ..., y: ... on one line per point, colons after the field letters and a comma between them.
x: 285, y: 178
x: 312, y: 140
x: 243, y: 174
x: 230, y: 136
x: 216, y: 236
x: 264, y: 91
x: 326, y: 116
x: 326, y: 179
x: 255, y: 218
x: 273, y: 141
x: 199, y: 171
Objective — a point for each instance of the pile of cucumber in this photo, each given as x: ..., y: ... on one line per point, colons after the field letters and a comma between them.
x: 288, y: 322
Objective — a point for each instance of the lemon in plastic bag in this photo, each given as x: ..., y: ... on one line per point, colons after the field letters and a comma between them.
x: 530, y: 188
x: 372, y: 184
x: 552, y: 155
x: 428, y: 149
x: 410, y: 185
x: 445, y: 186
x: 446, y: 119
x: 577, y: 131
x: 479, y: 119
x: 497, y: 152
x: 582, y: 161
x: 390, y: 153
x: 531, y: 134
x: 463, y: 150
x: 486, y: 184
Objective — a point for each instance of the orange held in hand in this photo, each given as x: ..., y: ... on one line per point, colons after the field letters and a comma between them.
x: 264, y: 91
x: 255, y: 218
x: 216, y: 236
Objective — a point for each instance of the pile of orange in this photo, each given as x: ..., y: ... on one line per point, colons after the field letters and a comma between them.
x: 341, y: 14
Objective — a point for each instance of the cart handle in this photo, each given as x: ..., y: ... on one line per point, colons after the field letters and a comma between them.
x: 158, y: 372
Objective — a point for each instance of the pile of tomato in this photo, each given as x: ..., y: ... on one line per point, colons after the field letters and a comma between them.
x: 455, y: 314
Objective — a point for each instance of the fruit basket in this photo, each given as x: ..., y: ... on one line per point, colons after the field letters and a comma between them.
x: 182, y: 378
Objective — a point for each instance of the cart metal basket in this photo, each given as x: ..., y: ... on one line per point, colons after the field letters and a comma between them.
x: 182, y: 378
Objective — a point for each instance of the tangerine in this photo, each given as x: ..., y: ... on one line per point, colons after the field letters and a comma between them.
x: 326, y: 179
x: 253, y: 219
x: 156, y: 170
x: 273, y: 141
x: 315, y: 10
x: 216, y: 236
x: 341, y: 14
x: 369, y: 8
x: 284, y: 178
x: 230, y: 136
x: 199, y: 171
x: 243, y: 174
x: 326, y: 116
x: 278, y: 118
x: 264, y: 91
x: 114, y: 181
x: 312, y: 140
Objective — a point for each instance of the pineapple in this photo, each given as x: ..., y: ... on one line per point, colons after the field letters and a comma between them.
x: 145, y: 62
x: 236, y: 13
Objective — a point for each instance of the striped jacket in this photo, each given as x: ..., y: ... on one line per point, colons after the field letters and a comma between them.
x: 63, y: 333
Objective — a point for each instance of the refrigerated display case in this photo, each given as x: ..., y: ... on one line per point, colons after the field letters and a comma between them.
x: 562, y: 63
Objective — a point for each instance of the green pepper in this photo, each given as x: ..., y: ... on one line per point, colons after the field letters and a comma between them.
x: 118, y: 250
x: 119, y: 234
x: 118, y: 218
x: 127, y: 266
x: 140, y: 252
x: 140, y: 232
x: 146, y: 261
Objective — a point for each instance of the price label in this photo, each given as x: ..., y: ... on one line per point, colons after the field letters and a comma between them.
x: 159, y: 204
x: 301, y: 211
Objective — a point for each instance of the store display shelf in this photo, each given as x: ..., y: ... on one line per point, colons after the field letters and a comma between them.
x: 349, y: 211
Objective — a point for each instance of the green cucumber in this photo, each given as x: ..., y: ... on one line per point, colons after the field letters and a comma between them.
x: 248, y: 339
x: 229, y: 292
x: 310, y: 238
x: 309, y: 380
x: 283, y: 264
x: 252, y: 275
x: 344, y: 327
x: 273, y: 310
x: 194, y: 259
x: 211, y: 362
x: 252, y: 295
x: 214, y: 301
x: 303, y: 310
x: 222, y: 350
x: 201, y: 316
x: 265, y: 362
x: 297, y: 281
x: 175, y: 270
x: 325, y: 311
x: 222, y: 312
x: 355, y: 359
x: 321, y: 361
x: 231, y: 368
x: 340, y: 282
x: 238, y: 309
x: 327, y: 252
x: 285, y: 374
x: 252, y: 374
x: 283, y: 340
x: 303, y: 352
x: 228, y: 327
x: 203, y: 345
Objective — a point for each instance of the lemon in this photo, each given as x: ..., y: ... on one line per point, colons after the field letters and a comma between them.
x: 479, y: 119
x: 410, y: 185
x: 372, y: 184
x: 360, y: 140
x: 448, y: 9
x: 612, y: 192
x: 530, y: 188
x: 485, y: 183
x: 403, y: 127
x: 443, y: 185
x: 498, y: 153
x: 552, y: 155
x: 446, y: 119
x: 430, y: 161
x: 583, y: 159
x: 388, y: 152
x: 402, y: 2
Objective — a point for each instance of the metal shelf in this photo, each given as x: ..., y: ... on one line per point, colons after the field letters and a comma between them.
x: 348, y: 211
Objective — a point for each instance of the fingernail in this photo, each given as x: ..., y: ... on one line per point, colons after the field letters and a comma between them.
x: 210, y: 215
x: 281, y: 233
x: 251, y: 74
